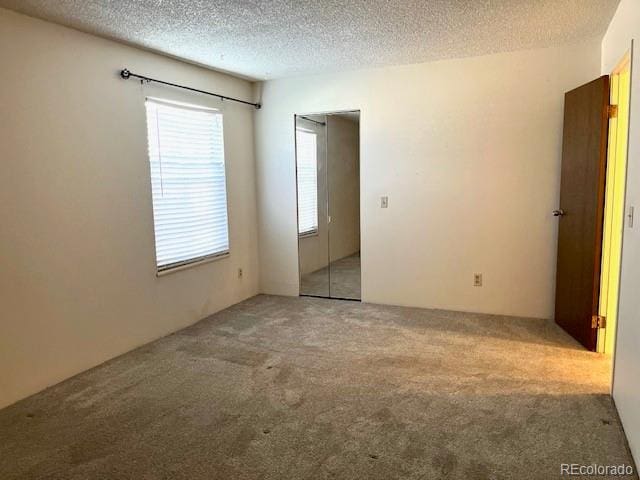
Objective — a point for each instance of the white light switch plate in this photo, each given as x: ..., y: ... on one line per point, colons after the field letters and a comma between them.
x: 384, y: 202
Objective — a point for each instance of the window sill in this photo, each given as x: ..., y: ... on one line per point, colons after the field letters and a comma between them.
x: 190, y: 264
x: 308, y: 234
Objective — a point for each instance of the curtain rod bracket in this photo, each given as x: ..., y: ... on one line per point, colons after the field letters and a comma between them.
x: 126, y: 74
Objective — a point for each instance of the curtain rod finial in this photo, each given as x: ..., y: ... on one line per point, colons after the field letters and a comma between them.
x: 125, y: 73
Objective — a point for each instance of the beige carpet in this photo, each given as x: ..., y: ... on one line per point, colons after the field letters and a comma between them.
x: 304, y: 388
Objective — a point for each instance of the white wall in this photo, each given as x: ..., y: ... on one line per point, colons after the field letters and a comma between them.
x: 77, y: 271
x: 624, y: 27
x: 468, y: 152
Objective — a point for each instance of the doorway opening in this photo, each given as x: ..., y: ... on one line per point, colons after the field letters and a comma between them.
x: 328, y: 200
x: 614, y: 208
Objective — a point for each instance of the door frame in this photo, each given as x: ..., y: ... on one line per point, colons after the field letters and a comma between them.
x: 625, y: 63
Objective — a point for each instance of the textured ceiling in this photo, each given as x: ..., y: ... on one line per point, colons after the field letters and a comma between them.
x: 263, y: 39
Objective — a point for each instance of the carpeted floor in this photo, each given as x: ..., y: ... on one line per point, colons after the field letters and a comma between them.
x: 342, y: 280
x: 305, y: 388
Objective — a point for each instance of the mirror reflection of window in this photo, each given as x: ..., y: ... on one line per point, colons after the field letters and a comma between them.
x: 307, y: 164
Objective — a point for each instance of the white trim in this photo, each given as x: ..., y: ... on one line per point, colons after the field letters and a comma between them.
x: 310, y: 233
x: 191, y: 263
x: 186, y: 106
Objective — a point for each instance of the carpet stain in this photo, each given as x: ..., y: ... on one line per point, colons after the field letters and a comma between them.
x: 444, y: 462
x: 283, y: 375
x: 239, y: 445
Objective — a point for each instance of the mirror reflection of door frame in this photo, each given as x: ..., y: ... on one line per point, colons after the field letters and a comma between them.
x: 295, y: 126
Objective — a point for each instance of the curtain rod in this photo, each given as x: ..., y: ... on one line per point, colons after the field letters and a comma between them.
x: 312, y: 120
x: 126, y: 74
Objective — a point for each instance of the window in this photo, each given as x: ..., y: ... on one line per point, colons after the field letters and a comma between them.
x: 307, y: 164
x: 186, y: 153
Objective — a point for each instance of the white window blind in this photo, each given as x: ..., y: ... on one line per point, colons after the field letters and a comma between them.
x: 307, y: 166
x: 186, y: 153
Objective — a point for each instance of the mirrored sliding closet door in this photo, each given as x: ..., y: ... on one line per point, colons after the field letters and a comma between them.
x: 328, y: 189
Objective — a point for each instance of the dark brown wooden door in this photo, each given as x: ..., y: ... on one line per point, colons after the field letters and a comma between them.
x: 581, y: 211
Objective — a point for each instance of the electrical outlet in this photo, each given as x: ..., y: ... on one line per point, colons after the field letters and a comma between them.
x: 477, y: 279
x: 384, y: 202
x: 240, y: 273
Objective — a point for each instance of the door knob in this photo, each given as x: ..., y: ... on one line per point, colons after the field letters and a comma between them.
x: 558, y: 213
